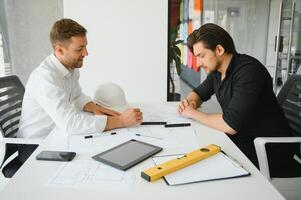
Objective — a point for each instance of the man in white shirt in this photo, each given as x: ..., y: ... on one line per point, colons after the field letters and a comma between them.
x: 53, y: 96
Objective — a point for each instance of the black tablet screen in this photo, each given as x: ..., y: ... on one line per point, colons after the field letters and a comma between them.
x: 127, y: 154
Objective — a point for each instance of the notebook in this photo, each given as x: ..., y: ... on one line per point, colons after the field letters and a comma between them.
x: 217, y: 167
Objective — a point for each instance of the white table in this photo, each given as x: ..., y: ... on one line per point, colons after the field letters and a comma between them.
x: 29, y: 181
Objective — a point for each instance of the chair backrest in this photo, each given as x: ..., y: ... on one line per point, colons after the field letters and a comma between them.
x: 11, y: 97
x: 289, y: 99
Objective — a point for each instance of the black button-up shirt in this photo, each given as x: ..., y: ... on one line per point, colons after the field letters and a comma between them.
x: 248, y: 102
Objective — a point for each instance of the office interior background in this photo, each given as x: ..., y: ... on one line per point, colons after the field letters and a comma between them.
x: 128, y: 40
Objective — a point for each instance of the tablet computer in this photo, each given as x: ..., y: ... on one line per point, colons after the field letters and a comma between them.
x: 128, y: 154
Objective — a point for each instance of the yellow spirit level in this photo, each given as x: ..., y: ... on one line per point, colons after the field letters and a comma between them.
x: 168, y: 167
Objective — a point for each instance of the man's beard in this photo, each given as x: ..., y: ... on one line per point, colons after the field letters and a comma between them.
x: 77, y: 64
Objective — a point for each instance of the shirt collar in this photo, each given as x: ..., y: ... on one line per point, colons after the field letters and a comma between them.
x: 61, y: 69
x: 230, y: 68
x: 231, y: 65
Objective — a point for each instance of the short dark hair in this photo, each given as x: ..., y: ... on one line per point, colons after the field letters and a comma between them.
x: 63, y: 29
x: 211, y: 35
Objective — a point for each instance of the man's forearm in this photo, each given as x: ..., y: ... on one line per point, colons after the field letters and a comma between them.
x: 113, y: 122
x: 215, y: 121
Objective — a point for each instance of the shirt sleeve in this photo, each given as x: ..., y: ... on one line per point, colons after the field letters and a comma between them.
x: 206, y: 89
x: 80, y: 99
x: 247, y: 87
x: 53, y: 99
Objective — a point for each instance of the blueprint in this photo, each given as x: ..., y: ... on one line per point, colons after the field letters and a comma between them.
x: 92, y: 175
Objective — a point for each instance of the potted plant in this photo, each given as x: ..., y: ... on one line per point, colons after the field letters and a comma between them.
x: 174, y: 60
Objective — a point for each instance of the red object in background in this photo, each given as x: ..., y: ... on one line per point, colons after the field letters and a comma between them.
x: 174, y: 13
x: 198, y: 5
x: 190, y: 27
x: 195, y: 67
x: 189, y: 59
x: 174, y: 22
x: 192, y: 63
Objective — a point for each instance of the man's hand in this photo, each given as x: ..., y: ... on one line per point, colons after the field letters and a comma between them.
x: 99, y: 110
x: 184, y: 103
x: 131, y: 117
x: 188, y: 111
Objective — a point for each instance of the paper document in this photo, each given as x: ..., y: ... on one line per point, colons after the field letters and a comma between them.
x: 101, y: 142
x: 91, y: 175
x: 216, y: 167
x: 164, y: 113
x: 182, y: 138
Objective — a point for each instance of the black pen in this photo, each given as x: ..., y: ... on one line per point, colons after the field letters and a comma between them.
x: 92, y: 136
x: 153, y: 123
x: 176, y: 125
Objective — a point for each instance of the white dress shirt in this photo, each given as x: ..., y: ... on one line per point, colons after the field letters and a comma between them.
x: 52, y: 98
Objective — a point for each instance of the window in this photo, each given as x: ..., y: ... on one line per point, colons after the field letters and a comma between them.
x: 5, y: 67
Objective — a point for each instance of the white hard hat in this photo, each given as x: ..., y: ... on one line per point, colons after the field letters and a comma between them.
x: 111, y: 96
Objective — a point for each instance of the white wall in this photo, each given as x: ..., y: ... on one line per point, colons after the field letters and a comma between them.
x: 127, y: 45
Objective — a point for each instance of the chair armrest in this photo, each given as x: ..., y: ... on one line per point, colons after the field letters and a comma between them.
x: 16, y: 141
x: 262, y: 154
x: 21, y: 141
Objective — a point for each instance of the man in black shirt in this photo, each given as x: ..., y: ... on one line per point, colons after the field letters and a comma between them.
x: 243, y: 88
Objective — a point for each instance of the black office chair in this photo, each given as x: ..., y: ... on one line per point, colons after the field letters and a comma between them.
x: 288, y: 182
x: 11, y: 96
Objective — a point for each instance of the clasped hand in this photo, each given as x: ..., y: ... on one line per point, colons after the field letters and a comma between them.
x: 186, y: 109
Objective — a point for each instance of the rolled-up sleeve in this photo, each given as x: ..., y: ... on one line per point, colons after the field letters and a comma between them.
x: 206, y: 89
x: 247, y: 86
x: 54, y: 100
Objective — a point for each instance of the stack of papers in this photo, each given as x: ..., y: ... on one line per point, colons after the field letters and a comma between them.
x: 216, y: 167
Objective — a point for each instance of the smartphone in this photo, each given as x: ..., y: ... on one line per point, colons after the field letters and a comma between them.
x: 56, y: 155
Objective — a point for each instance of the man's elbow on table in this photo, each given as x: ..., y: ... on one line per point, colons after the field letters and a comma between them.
x: 230, y: 131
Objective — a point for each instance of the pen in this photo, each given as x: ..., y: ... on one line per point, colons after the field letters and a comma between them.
x: 137, y: 134
x: 176, y: 125
x: 153, y: 123
x: 92, y: 136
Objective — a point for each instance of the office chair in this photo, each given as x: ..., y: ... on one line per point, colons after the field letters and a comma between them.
x: 11, y: 97
x: 289, y: 182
